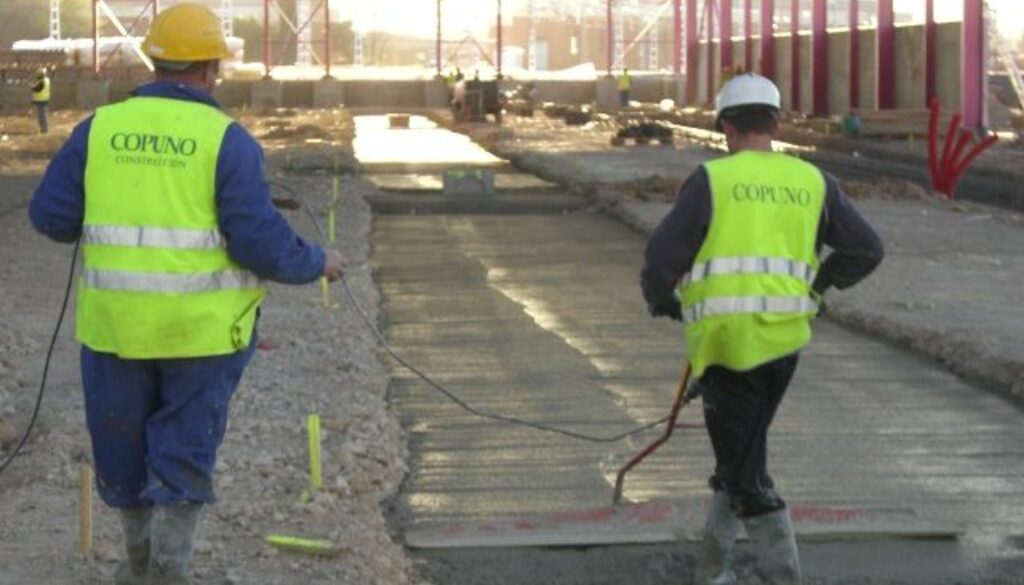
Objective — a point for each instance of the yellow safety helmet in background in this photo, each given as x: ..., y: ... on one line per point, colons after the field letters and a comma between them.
x: 186, y: 33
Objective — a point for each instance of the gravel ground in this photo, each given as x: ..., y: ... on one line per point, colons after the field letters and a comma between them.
x: 943, y: 290
x: 314, y: 359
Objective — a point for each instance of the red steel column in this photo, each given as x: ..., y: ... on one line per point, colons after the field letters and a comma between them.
x: 327, y: 38
x: 819, y: 57
x: 609, y: 37
x: 886, y: 64
x: 677, y: 37
x: 748, y: 34
x: 692, y: 51
x: 498, y: 60
x: 973, y: 81
x: 725, y: 32
x: 794, y: 60
x: 768, y: 38
x: 437, y: 39
x: 266, y: 38
x: 929, y: 52
x: 854, y: 54
x: 709, y: 19
x: 156, y: 7
x: 95, y: 38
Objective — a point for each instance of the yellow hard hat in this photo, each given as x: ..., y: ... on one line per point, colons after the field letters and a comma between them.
x: 186, y: 32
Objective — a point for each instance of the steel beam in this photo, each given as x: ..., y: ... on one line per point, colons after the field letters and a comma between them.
x: 748, y: 35
x: 854, y: 54
x: 609, y: 37
x: 692, y: 51
x: 327, y: 39
x: 819, y: 57
x: 973, y: 84
x: 677, y: 37
x: 725, y: 33
x: 794, y: 61
x: 437, y: 39
x: 885, y: 65
x: 498, y: 59
x: 266, y: 39
x: 929, y: 52
x: 96, y: 38
x: 768, y: 38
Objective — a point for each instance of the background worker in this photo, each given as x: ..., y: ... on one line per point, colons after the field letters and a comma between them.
x: 741, y: 247
x: 167, y: 195
x: 41, y: 98
x: 625, y: 84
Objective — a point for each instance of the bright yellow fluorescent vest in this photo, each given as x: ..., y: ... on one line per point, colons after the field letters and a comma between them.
x: 157, y: 281
x: 43, y: 95
x: 746, y: 301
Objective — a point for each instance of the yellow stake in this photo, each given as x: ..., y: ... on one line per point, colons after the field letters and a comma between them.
x: 325, y: 292
x: 313, y: 546
x: 334, y: 197
x: 84, y: 510
x: 313, y: 428
x: 330, y: 226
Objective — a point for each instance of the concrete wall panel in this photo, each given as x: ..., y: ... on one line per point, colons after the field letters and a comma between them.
x: 839, y: 72
x: 948, y: 63
x: 570, y: 91
x: 909, y: 67
x: 868, y: 72
x: 783, y: 48
x: 384, y: 94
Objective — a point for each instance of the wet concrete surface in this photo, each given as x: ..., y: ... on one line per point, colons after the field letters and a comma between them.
x: 537, y: 314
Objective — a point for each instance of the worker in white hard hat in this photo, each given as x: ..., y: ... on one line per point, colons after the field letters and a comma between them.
x: 179, y: 236
x: 736, y: 259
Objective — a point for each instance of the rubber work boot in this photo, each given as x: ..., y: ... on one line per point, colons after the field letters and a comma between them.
x: 172, y: 539
x: 774, y: 544
x: 718, y: 547
x: 133, y: 570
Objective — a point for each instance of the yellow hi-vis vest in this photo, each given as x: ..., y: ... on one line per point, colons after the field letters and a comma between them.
x: 625, y: 82
x: 157, y: 280
x: 43, y: 95
x: 747, y: 299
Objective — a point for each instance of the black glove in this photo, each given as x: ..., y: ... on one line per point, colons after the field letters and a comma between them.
x: 667, y: 308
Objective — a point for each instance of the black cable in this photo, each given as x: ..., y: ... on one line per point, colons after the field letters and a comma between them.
x: 437, y: 386
x: 46, y: 364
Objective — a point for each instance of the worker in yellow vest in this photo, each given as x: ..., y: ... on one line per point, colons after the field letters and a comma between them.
x: 41, y: 98
x: 625, y: 84
x: 736, y: 259
x: 179, y: 234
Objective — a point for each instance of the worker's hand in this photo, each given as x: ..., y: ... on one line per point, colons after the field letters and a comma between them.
x: 334, y: 265
x: 669, y: 308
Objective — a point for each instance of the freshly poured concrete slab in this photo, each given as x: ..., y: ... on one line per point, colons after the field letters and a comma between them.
x: 433, y: 182
x: 664, y: 521
x: 422, y: 146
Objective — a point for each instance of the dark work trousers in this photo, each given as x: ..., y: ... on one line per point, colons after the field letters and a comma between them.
x: 42, y: 111
x: 738, y: 409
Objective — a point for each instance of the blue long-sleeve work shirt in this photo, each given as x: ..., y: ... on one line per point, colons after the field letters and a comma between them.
x: 258, y: 237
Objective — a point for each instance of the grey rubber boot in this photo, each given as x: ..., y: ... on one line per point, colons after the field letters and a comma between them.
x: 172, y: 540
x: 718, y: 547
x: 774, y: 544
x: 133, y: 570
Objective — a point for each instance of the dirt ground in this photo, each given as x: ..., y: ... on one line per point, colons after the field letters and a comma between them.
x: 312, y: 360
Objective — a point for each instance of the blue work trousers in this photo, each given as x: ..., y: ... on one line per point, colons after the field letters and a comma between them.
x: 156, y: 424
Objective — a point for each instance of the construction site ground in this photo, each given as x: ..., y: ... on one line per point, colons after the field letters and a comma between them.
x: 526, y: 303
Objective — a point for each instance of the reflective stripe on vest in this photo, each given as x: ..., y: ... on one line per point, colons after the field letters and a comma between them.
x: 153, y: 237
x: 751, y: 265
x: 169, y: 282
x: 739, y: 305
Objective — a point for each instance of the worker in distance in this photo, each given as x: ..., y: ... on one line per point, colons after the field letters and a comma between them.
x: 737, y: 260
x: 166, y: 195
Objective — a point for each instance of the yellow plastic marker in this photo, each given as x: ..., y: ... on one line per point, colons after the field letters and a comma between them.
x: 325, y: 292
x: 313, y: 428
x: 313, y: 546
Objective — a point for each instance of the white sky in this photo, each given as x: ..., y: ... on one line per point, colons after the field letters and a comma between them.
x: 418, y: 16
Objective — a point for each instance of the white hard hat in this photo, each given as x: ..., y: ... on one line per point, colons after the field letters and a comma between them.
x: 747, y: 89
